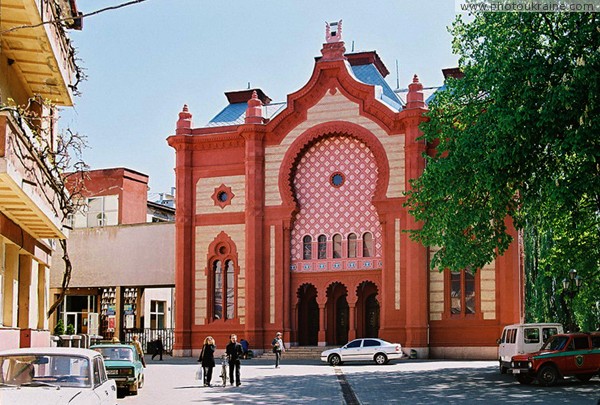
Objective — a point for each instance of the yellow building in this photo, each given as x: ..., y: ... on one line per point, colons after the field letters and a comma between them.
x: 37, y: 73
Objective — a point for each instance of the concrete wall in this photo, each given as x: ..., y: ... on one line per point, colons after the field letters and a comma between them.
x: 126, y: 255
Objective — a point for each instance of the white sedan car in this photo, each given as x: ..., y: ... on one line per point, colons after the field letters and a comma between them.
x: 55, y: 375
x: 366, y: 349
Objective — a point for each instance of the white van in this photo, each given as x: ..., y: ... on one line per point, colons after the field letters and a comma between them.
x: 523, y: 338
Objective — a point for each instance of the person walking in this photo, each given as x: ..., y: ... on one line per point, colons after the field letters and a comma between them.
x: 234, y: 354
x: 278, y: 348
x: 138, y: 348
x: 207, y: 358
x: 159, y: 349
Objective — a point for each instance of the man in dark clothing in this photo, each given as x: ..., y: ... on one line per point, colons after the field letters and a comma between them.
x: 159, y: 349
x: 234, y: 354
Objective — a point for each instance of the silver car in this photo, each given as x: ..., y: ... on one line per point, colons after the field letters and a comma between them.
x: 55, y: 375
x: 367, y: 349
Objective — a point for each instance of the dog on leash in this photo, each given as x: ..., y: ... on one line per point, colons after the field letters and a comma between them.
x: 224, y: 369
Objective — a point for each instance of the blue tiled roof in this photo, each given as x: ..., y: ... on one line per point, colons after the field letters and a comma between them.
x: 234, y: 114
x: 432, y: 96
x: 370, y: 75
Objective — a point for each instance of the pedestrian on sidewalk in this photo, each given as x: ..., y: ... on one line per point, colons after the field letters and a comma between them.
x: 159, y: 348
x: 278, y: 348
x: 207, y: 358
x: 138, y: 348
x: 234, y: 354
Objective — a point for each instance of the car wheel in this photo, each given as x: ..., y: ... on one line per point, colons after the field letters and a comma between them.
x: 548, y: 375
x: 380, y: 359
x: 334, y: 360
x: 584, y: 377
x: 524, y: 379
x: 503, y: 369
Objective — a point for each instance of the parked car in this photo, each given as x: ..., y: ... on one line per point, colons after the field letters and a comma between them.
x: 569, y: 354
x: 523, y: 338
x: 55, y: 375
x: 123, y: 365
x: 365, y: 349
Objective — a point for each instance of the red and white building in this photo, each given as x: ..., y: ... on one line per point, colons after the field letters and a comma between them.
x: 290, y: 218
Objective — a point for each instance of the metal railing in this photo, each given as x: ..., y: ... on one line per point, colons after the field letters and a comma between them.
x: 148, y: 336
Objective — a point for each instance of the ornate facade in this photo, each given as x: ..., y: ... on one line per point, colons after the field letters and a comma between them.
x: 290, y: 218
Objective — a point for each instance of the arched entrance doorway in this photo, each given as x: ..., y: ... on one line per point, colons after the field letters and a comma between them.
x: 367, y: 310
x: 338, y: 314
x: 308, y: 316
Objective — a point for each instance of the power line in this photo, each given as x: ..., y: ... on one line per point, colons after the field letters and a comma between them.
x: 72, y: 18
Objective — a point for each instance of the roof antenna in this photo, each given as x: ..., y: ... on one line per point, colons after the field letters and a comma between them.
x: 397, y: 76
x: 352, y: 46
x: 248, y: 85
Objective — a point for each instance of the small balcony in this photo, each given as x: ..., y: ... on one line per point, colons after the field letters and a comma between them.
x: 40, y: 55
x: 25, y: 197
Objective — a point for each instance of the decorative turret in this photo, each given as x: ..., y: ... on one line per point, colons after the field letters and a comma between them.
x: 414, y: 98
x: 254, y: 112
x: 184, y: 123
x: 334, y: 48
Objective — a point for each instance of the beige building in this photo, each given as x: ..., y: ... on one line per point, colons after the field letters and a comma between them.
x: 37, y: 73
x: 123, y: 275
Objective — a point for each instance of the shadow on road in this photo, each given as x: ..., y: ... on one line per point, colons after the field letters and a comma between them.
x: 464, y: 386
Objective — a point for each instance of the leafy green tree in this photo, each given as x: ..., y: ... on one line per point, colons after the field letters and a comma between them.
x: 518, y: 137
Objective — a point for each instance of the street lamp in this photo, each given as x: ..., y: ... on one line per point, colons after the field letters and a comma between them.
x: 572, y: 285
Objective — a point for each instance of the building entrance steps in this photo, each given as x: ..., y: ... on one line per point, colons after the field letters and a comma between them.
x: 298, y: 352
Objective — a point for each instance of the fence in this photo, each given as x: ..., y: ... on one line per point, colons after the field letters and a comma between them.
x: 147, y: 336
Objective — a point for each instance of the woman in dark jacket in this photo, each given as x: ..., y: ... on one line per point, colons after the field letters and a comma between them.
x: 207, y: 358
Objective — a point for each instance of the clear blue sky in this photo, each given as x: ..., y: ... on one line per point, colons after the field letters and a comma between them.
x: 143, y: 62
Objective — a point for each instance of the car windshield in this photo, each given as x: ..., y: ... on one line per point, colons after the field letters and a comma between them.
x: 45, y: 369
x: 556, y: 343
x: 116, y: 353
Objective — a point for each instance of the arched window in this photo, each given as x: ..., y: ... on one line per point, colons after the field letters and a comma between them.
x: 222, y: 279
x: 337, y: 246
x: 367, y: 245
x: 218, y: 290
x: 307, y: 248
x: 229, y: 288
x: 462, y: 293
x: 322, y: 249
x: 352, y: 245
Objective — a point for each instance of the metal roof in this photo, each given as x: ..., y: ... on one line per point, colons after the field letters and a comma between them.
x: 234, y: 114
x: 369, y: 74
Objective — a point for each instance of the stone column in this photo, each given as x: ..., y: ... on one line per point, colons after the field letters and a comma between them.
x: 322, y: 321
x: 415, y: 257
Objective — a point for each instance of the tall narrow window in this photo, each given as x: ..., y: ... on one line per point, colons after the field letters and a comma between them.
x: 455, y: 293
x: 218, y: 291
x: 322, y: 249
x: 462, y: 293
x: 307, y: 248
x: 229, y: 288
x: 337, y: 246
x: 157, y: 314
x: 222, y: 302
x: 352, y: 245
x: 367, y: 245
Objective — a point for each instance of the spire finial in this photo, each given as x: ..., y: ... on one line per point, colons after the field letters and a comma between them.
x: 184, y: 123
x: 415, y: 98
x: 334, y: 48
x: 254, y: 112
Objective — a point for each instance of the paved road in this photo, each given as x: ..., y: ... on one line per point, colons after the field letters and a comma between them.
x: 311, y: 382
